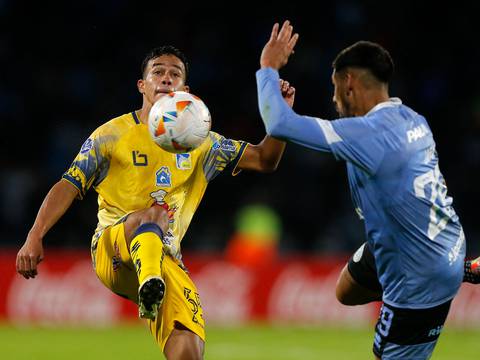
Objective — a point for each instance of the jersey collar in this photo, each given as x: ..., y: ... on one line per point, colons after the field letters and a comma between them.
x: 135, y: 117
x: 394, y: 101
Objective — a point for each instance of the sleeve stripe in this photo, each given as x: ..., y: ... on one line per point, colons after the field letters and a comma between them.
x: 75, y: 183
x: 330, y: 134
x: 234, y: 163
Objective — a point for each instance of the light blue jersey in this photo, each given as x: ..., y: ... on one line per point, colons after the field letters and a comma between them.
x: 397, y: 188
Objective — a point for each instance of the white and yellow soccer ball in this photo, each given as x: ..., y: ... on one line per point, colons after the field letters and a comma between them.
x: 179, y: 122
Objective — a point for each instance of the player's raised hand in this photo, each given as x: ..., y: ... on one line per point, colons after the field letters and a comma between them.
x: 288, y: 92
x: 279, y: 47
x: 29, y: 256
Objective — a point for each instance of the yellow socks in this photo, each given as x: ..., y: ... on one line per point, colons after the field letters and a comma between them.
x: 146, y: 250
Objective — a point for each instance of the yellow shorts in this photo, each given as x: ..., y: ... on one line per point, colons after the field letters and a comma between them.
x: 114, y: 267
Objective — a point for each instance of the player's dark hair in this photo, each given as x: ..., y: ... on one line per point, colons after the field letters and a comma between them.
x: 165, y: 50
x: 367, y: 55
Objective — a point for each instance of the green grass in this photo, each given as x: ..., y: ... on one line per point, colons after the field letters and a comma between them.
x: 245, y: 343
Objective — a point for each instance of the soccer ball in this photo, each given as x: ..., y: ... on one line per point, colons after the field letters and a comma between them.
x: 179, y: 122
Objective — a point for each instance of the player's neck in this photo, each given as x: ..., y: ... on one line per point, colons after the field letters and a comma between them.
x: 143, y: 112
x: 372, y: 100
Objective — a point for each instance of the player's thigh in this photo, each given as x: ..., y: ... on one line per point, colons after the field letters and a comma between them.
x: 113, y: 264
x: 408, y: 333
x: 181, y: 306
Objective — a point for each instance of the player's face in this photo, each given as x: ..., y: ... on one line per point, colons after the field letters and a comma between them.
x: 341, y: 101
x: 163, y: 75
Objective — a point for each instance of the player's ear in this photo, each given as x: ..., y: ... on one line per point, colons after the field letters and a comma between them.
x: 349, y: 80
x: 141, y: 86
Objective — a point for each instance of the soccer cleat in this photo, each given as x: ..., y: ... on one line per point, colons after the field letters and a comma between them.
x: 471, y: 272
x: 476, y: 265
x: 150, y: 297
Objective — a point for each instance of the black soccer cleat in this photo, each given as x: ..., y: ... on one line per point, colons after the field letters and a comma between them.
x: 150, y: 297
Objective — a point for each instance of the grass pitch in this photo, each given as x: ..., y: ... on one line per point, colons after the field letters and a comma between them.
x: 256, y: 342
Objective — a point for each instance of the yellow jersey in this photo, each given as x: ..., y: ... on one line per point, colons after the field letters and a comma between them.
x: 130, y: 172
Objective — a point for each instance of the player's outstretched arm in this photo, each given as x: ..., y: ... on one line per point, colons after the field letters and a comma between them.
x: 55, y: 204
x: 280, y: 120
x: 265, y: 156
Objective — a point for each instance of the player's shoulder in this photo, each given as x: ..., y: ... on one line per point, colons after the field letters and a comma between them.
x: 118, y: 125
x: 214, y: 136
x: 400, y: 111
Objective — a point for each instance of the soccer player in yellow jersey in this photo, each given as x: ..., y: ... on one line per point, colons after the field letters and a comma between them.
x: 147, y: 198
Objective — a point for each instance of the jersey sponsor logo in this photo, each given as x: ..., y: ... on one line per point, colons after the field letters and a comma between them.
x: 228, y: 145
x: 183, y: 161
x: 163, y: 177
x: 139, y: 159
x: 87, y: 146
x: 215, y: 146
x: 417, y: 133
x: 435, y: 331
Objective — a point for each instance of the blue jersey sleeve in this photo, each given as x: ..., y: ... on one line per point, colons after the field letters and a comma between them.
x: 280, y: 120
x: 350, y: 139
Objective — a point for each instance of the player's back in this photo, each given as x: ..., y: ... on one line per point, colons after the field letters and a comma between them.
x: 417, y: 237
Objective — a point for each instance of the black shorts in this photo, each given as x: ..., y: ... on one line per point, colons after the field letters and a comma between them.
x: 408, y: 333
x: 363, y: 269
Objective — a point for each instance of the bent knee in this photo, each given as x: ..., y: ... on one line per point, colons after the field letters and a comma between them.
x: 155, y: 215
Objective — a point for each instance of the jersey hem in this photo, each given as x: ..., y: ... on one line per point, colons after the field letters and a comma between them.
x: 419, y: 306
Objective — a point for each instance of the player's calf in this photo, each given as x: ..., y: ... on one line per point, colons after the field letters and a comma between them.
x: 147, y: 254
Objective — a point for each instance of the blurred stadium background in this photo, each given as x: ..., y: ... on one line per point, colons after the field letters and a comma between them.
x: 67, y: 68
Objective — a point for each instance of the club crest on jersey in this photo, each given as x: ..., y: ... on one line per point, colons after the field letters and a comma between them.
x: 87, y: 146
x: 183, y: 161
x: 163, y: 177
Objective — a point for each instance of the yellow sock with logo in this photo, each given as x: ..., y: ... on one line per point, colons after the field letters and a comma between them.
x: 146, y: 250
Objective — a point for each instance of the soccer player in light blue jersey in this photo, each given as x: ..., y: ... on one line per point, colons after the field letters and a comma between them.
x: 413, y: 233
